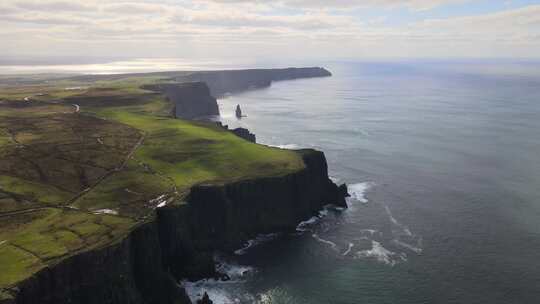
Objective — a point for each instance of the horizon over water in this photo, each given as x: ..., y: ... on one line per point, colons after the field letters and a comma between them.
x: 442, y: 162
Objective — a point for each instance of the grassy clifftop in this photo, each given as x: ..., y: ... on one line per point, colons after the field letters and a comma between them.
x: 82, y: 163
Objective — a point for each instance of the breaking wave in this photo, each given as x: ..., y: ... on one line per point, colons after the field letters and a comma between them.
x: 288, y: 146
x: 358, y: 191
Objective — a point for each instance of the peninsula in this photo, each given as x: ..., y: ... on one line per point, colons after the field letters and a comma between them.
x: 113, y: 188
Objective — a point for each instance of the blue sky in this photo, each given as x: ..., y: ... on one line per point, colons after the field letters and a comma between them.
x: 236, y: 29
x: 465, y: 8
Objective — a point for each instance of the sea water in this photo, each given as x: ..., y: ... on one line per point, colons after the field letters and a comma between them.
x: 442, y: 160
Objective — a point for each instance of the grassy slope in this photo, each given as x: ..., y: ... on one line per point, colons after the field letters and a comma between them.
x: 32, y: 240
x: 62, y: 168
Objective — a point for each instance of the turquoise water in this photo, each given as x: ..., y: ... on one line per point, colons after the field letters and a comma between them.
x: 443, y: 161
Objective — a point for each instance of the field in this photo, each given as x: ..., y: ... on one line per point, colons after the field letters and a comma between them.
x: 84, y: 161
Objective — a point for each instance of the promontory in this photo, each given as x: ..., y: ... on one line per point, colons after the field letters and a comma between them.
x: 115, y: 188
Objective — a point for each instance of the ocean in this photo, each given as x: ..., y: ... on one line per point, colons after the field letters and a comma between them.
x: 442, y: 159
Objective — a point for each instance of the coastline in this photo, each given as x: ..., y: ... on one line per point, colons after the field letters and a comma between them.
x: 180, y: 240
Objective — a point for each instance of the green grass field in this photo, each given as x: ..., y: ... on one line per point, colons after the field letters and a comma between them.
x: 71, y: 182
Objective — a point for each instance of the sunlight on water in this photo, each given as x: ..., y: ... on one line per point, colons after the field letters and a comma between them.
x: 119, y: 67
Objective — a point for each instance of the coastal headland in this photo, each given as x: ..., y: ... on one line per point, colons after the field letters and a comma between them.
x: 113, y: 188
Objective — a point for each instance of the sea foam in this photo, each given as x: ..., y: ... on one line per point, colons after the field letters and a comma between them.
x: 404, y: 228
x: 358, y: 191
x: 416, y: 249
x: 381, y: 254
x: 351, y: 245
x: 220, y: 292
x: 263, y: 238
x: 327, y: 242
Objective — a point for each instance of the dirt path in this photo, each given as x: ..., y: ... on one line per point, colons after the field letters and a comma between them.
x: 109, y: 173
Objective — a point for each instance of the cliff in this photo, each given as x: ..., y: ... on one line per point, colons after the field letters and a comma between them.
x: 191, y: 100
x: 222, y: 82
x: 180, y: 240
x: 223, y: 217
x: 135, y: 200
x: 128, y: 271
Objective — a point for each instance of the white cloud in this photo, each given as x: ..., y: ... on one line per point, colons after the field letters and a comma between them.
x: 253, y: 29
x: 346, y: 4
x: 52, y: 6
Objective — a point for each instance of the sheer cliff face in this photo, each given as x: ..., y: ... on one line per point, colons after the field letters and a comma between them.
x: 128, y: 271
x: 191, y: 100
x: 223, y: 217
x: 193, y: 95
x: 180, y: 241
x: 222, y: 82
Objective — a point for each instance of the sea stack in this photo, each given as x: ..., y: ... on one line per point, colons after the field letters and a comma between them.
x: 205, y: 299
x: 238, y: 112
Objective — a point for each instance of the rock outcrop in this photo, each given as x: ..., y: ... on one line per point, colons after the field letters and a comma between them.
x: 240, y: 132
x: 191, y: 100
x: 233, y: 81
x: 245, y: 134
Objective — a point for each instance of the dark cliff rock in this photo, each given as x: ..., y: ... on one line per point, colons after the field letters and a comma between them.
x: 240, y: 132
x: 191, y: 100
x: 222, y: 82
x: 193, y: 93
x: 245, y: 134
x: 225, y: 216
x: 205, y: 299
x: 129, y: 271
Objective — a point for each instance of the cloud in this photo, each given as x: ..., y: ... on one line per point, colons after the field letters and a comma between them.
x: 347, y: 4
x: 261, y: 28
x: 52, y: 6
x: 135, y: 8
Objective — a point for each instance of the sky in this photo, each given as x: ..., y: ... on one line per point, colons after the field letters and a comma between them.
x: 244, y: 30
